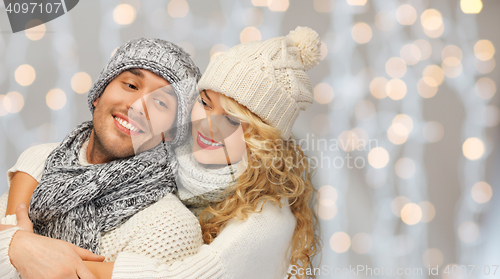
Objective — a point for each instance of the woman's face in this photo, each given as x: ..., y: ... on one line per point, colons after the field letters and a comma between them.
x: 217, y: 136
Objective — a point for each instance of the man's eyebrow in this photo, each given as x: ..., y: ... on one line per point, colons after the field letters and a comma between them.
x: 136, y: 72
x: 206, y: 95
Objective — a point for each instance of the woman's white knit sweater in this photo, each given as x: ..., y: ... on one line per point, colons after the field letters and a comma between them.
x: 164, y: 240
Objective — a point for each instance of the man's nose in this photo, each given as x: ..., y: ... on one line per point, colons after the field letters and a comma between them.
x: 138, y: 106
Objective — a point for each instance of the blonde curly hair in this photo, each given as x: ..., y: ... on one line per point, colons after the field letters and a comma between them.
x: 276, y: 169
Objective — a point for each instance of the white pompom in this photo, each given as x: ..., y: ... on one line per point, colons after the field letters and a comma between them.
x: 308, y: 43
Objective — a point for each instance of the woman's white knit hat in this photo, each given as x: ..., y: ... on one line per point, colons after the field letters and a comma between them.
x: 268, y: 77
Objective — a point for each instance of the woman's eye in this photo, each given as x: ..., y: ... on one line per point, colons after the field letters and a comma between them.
x: 233, y: 121
x: 161, y: 103
x: 201, y: 101
x: 131, y: 86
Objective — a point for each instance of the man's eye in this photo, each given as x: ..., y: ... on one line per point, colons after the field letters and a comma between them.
x: 161, y: 103
x: 131, y: 86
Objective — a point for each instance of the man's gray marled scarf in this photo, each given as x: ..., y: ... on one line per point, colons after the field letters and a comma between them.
x: 76, y: 203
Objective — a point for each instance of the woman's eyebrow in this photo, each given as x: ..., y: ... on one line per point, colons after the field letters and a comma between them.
x: 206, y: 95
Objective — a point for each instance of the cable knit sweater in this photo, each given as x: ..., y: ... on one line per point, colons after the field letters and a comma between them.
x: 163, y: 242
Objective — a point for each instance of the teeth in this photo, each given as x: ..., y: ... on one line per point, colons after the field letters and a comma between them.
x: 126, y: 124
x: 208, y: 142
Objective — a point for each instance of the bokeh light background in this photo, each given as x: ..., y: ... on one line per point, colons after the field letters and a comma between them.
x: 410, y: 86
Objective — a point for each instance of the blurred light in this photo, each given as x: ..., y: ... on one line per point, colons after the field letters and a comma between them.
x: 356, y: 2
x: 471, y: 6
x: 35, y: 33
x: 323, y: 93
x: 432, y: 257
x: 410, y: 54
x: 15, y: 102
x: 361, y: 33
x: 340, y: 242
x: 178, y: 8
x: 481, y: 192
x: 484, y: 50
x: 259, y: 3
x: 485, y: 67
x: 433, y: 75
x: 113, y: 52
x: 323, y: 6
x: 217, y: 49
x: 348, y: 141
x: 406, y: 14
x: 56, y: 99
x: 473, y: 148
x: 405, y: 168
x: 411, y: 213
x: 327, y: 195
x: 326, y: 212
x: 491, y: 116
x: 375, y: 178
x: 278, y: 5
x: 361, y: 243
x: 188, y: 47
x: 432, y: 22
x: 364, y: 110
x: 250, y: 34
x: 425, y: 49
x: 124, y: 14
x: 468, y: 232
x: 395, y: 67
x: 405, y: 120
x: 320, y: 124
x: 253, y: 17
x: 403, y: 244
x: 486, y: 88
x: 424, y: 89
x: 397, y: 133
x: 378, y: 87
x: 428, y: 211
x: 397, y: 204
x: 452, y: 67
x: 3, y: 108
x: 384, y: 20
x: 81, y: 82
x: 25, y: 75
x: 378, y: 157
x: 433, y: 131
x: 324, y: 50
x: 451, y: 51
x: 396, y: 89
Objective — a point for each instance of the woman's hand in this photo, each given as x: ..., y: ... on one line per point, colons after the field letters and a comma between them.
x: 36, y: 256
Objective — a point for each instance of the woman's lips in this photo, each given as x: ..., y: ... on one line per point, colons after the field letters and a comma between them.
x: 204, y: 142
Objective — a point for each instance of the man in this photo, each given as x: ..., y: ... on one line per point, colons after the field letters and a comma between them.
x: 106, y: 170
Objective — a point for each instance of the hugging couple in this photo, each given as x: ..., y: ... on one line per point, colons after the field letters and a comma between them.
x: 169, y: 179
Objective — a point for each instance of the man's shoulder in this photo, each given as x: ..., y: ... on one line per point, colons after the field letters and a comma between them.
x: 40, y: 150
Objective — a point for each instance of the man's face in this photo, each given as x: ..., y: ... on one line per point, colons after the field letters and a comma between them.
x: 133, y: 114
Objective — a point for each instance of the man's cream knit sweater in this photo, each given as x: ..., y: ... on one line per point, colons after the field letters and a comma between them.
x: 164, y: 240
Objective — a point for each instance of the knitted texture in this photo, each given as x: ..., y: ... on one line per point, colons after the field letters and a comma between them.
x: 76, y: 203
x: 165, y: 231
x: 199, y: 187
x: 268, y: 77
x: 162, y: 58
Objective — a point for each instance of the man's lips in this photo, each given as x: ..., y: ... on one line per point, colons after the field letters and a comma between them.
x: 207, y: 143
x: 127, y: 125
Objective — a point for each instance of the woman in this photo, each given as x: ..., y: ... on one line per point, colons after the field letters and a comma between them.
x: 264, y: 222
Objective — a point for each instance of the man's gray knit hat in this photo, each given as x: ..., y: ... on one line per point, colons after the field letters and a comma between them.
x: 162, y: 58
